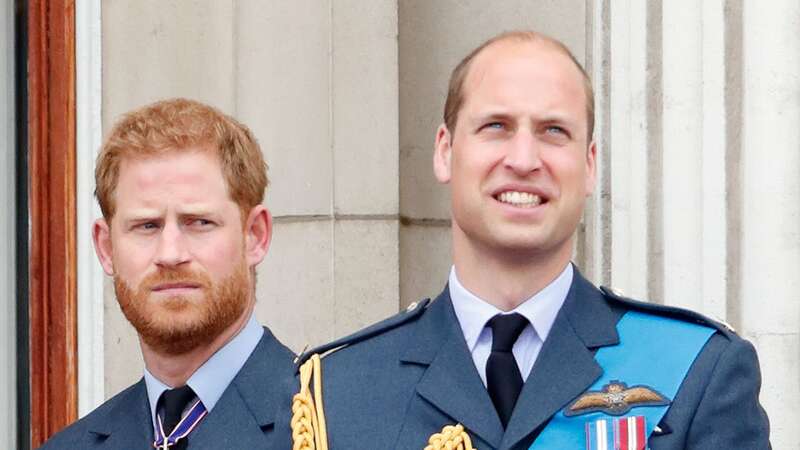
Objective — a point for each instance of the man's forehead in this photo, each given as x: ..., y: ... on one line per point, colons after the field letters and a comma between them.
x: 180, y: 162
x: 193, y: 175
x: 502, y: 53
x: 515, y: 52
x: 201, y: 151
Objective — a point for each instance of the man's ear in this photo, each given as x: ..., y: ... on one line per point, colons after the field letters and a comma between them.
x: 258, y: 234
x: 101, y: 237
x: 591, y: 168
x: 442, y: 152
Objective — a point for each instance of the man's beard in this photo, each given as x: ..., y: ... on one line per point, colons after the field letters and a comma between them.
x: 178, y: 324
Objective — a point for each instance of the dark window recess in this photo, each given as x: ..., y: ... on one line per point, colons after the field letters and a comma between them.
x: 21, y: 225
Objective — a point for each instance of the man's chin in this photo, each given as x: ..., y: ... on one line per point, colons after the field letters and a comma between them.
x: 183, y: 326
x: 526, y: 244
x: 176, y: 303
x: 516, y: 237
x: 177, y: 337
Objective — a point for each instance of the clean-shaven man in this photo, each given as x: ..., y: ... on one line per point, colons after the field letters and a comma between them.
x: 520, y: 351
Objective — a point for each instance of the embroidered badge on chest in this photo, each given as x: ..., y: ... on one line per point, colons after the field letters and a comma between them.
x: 615, y: 399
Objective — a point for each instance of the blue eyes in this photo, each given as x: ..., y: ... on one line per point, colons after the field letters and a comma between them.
x: 550, y: 130
x: 492, y: 126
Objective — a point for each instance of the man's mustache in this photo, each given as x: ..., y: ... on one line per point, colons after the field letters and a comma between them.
x: 172, y: 276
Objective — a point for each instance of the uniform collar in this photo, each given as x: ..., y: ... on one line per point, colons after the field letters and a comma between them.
x: 211, y: 379
x: 452, y: 384
x: 541, y: 309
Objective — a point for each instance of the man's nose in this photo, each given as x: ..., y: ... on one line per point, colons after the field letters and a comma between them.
x: 522, y: 155
x: 172, y: 250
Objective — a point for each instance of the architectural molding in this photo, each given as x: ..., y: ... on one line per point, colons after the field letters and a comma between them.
x: 88, y: 64
x: 53, y: 293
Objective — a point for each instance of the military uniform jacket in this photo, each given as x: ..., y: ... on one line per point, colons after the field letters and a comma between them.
x: 398, y: 382
x: 243, y: 418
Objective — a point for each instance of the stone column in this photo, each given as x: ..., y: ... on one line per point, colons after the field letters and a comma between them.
x: 698, y: 206
x: 769, y: 207
x: 318, y: 82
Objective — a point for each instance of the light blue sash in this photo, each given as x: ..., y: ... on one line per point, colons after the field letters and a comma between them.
x: 653, y: 351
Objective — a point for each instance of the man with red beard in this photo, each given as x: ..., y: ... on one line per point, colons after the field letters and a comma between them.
x: 181, y: 186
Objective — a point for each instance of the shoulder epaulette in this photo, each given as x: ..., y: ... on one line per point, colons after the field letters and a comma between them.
x: 412, y: 312
x: 308, y: 425
x: 669, y: 311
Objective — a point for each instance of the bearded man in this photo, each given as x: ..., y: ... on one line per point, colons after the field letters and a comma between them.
x: 181, y: 186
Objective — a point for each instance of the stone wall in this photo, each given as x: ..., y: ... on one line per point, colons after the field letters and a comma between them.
x: 698, y: 107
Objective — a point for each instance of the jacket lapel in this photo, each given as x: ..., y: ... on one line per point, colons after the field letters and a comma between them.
x: 128, y: 422
x: 248, y: 406
x: 451, y: 382
x: 565, y: 366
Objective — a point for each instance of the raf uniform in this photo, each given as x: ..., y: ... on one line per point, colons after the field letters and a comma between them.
x: 396, y: 383
x: 242, y: 403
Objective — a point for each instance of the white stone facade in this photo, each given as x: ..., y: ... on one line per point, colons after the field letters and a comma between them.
x: 698, y: 131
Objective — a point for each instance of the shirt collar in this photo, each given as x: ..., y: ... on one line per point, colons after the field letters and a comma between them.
x: 211, y: 379
x: 541, y: 309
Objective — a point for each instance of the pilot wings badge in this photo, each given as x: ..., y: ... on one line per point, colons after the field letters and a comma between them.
x: 615, y: 399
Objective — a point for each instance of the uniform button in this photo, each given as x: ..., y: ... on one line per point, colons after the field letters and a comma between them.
x: 412, y: 306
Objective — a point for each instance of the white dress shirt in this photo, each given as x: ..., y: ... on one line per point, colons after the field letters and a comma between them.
x: 473, y: 313
x: 211, y: 379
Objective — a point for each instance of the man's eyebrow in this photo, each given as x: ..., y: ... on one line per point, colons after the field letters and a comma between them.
x: 491, y: 114
x: 555, y: 117
x: 195, y: 210
x: 140, y: 214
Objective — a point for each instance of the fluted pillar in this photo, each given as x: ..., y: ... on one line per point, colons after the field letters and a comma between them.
x: 769, y: 208
x: 699, y: 198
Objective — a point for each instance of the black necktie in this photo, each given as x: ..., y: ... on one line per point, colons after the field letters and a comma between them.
x: 173, y: 402
x: 503, y: 379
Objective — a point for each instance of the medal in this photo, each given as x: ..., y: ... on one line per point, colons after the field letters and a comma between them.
x: 623, y: 433
x: 196, y: 413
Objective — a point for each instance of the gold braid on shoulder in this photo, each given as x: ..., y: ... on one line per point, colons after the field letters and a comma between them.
x: 308, y: 416
x: 452, y: 437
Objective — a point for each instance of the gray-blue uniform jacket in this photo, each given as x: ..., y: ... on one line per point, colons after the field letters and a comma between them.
x: 243, y: 418
x: 396, y: 383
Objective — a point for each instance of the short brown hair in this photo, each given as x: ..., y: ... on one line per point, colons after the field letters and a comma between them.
x: 175, y: 125
x: 455, y: 90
